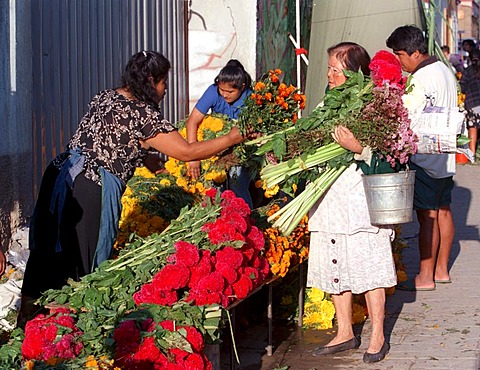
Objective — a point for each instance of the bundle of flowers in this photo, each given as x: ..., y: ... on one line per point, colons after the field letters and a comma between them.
x: 227, y: 269
x: 372, y: 108
x: 207, y: 258
x: 149, y: 203
x: 285, y: 252
x: 135, y: 353
x: 319, y: 311
x: 52, y: 338
x: 272, y: 106
x: 212, y: 126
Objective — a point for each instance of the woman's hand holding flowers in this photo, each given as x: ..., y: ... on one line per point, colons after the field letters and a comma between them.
x: 346, y: 139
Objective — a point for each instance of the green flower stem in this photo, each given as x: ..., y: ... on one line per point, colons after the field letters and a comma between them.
x: 261, y: 139
x: 152, y: 246
x: 275, y: 174
x: 291, y: 215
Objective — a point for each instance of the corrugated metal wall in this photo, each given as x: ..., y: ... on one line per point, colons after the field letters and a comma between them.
x: 81, y: 47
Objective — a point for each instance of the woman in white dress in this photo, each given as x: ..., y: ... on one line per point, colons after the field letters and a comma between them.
x: 349, y: 255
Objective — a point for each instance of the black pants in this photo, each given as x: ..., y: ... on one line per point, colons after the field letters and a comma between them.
x: 78, y: 232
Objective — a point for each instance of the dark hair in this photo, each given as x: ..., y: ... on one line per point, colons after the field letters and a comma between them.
x: 353, y: 56
x: 445, y: 48
x: 234, y: 74
x: 469, y: 42
x: 143, y: 70
x: 474, y: 56
x: 408, y: 39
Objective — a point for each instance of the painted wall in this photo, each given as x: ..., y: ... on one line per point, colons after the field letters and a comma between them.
x: 368, y: 23
x: 218, y: 30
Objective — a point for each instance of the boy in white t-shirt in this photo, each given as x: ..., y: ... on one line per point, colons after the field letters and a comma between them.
x: 434, y: 172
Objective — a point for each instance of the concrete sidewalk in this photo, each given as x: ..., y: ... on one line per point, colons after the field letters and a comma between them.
x: 427, y: 330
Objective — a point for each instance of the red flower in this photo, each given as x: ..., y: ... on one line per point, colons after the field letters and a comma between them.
x: 255, y: 238
x: 213, y: 282
x: 230, y: 274
x: 229, y: 256
x: 243, y: 287
x: 209, y: 290
x: 195, y: 338
x: 41, y: 341
x: 222, y: 231
x: 253, y: 274
x: 149, y: 294
x: 174, y: 276
x: 385, y: 67
x: 187, y: 254
x: 127, y: 338
x: 204, y: 267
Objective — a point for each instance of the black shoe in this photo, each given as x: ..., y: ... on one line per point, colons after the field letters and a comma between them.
x: 349, y: 344
x: 369, y: 358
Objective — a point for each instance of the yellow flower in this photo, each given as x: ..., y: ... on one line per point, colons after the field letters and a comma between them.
x: 165, y: 182
x: 316, y: 295
x: 144, y: 172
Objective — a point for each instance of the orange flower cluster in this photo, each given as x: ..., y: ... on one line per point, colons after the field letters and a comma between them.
x: 285, y: 252
x: 272, y: 105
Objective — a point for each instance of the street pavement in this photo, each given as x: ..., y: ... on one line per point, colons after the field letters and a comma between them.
x: 437, y: 329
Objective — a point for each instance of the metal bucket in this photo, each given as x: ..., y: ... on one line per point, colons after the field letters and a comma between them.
x: 390, y: 197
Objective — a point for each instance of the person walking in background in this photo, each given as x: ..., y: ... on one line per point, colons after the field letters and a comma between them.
x: 345, y: 248
x: 76, y: 215
x: 470, y: 84
x: 434, y: 172
x: 226, y: 96
x: 454, y: 61
x: 467, y: 45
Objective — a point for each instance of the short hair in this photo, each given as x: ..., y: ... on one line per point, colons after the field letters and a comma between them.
x: 234, y: 74
x: 469, y: 42
x: 142, y: 69
x: 409, y: 39
x: 445, y: 48
x: 353, y: 56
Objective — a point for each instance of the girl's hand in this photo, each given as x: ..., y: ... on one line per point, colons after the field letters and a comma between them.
x: 345, y: 138
x: 194, y: 169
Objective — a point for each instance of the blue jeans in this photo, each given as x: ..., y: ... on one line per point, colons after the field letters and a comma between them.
x: 238, y: 180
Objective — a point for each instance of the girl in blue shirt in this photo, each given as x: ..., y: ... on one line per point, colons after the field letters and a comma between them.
x: 226, y: 96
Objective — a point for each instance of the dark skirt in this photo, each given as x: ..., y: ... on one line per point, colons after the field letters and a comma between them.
x: 472, y: 119
x: 78, y: 230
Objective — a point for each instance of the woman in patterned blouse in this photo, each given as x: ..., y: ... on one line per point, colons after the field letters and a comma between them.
x: 75, y: 221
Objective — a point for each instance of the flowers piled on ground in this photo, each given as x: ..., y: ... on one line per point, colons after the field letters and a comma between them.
x: 212, y: 126
x: 285, y: 252
x: 372, y: 108
x: 205, y: 259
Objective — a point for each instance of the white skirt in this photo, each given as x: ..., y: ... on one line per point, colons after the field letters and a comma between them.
x: 358, y: 263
